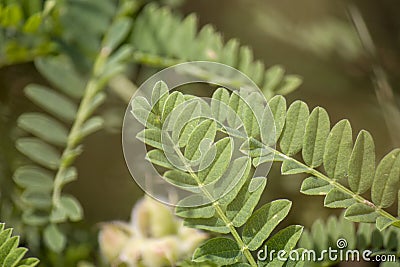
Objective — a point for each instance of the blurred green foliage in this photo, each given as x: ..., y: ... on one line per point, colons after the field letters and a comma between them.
x: 64, y: 38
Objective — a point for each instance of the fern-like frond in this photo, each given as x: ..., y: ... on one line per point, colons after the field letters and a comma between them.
x: 163, y: 39
x: 230, y: 207
x: 338, y: 169
x: 349, y: 170
x: 10, y: 252
x: 323, y: 235
x: 56, y: 132
x: 23, y: 35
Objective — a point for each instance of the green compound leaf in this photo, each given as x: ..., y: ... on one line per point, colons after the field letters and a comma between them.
x: 218, y: 250
x: 170, y: 40
x: 263, y: 222
x: 347, y: 173
x: 42, y: 197
x: 116, y: 62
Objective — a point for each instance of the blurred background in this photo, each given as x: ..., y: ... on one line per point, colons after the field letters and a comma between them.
x: 316, y: 39
x: 321, y: 45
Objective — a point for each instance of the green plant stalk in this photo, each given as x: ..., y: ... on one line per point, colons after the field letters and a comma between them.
x: 220, y: 213
x: 235, y: 234
x: 93, y: 86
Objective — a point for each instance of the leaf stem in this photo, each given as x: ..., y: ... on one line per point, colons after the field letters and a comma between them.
x: 220, y: 212
x: 85, y: 110
x: 235, y: 235
x: 74, y: 137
